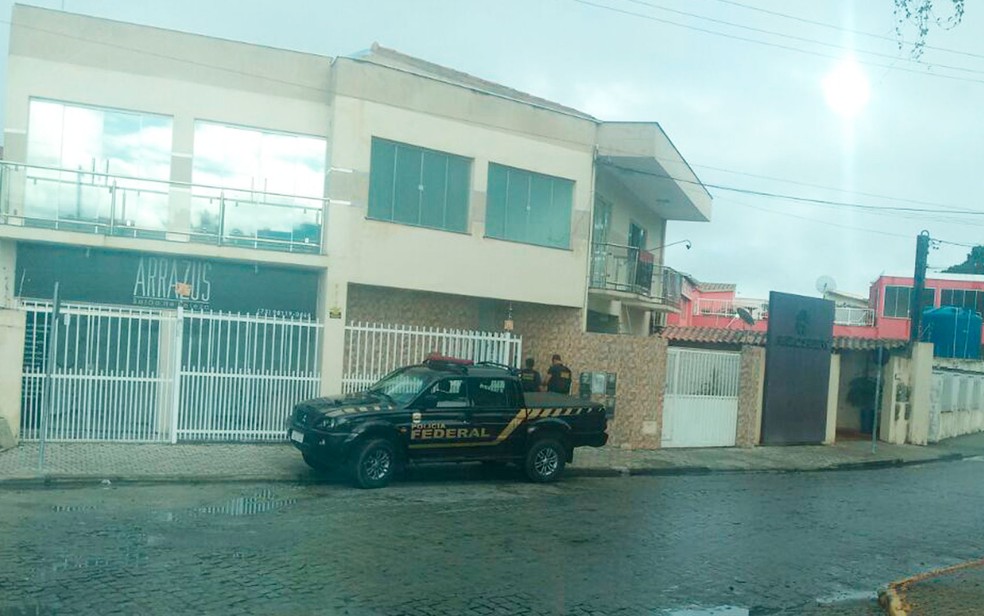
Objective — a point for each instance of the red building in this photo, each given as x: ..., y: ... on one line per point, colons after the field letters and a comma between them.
x: 884, y: 315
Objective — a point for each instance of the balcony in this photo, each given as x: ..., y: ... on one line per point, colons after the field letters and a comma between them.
x: 631, y: 274
x: 846, y: 315
x: 711, y: 307
x: 118, y: 205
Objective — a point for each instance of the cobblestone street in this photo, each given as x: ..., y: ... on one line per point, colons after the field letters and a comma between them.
x: 459, y: 541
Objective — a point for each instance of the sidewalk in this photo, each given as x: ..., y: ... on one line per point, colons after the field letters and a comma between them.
x: 952, y: 591
x: 279, y: 462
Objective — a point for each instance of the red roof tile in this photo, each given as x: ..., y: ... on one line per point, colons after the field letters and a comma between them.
x: 719, y: 335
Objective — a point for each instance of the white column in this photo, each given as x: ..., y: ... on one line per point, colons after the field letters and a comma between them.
x: 12, y: 327
x: 332, y: 311
x: 8, y: 275
x: 922, y: 384
x: 833, y: 395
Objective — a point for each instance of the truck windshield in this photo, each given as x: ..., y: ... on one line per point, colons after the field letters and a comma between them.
x: 403, y: 386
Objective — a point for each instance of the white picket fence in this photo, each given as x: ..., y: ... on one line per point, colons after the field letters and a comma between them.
x: 372, y: 350
x: 126, y: 374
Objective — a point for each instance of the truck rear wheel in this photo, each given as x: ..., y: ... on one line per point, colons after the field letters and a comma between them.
x: 545, y: 460
x: 373, y: 464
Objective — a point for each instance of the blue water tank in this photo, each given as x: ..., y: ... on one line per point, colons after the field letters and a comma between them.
x: 954, y: 332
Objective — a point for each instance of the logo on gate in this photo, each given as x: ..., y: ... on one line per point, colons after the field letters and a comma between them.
x: 802, y: 322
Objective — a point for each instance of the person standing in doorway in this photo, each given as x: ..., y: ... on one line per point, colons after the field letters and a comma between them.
x: 528, y: 377
x: 558, y: 377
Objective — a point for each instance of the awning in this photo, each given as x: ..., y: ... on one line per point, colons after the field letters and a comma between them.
x: 641, y: 157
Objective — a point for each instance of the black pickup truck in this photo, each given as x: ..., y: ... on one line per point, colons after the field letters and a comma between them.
x: 445, y: 410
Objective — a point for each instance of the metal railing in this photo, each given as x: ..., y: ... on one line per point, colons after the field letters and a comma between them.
x: 713, y: 307
x: 847, y: 315
x: 113, y: 204
x: 372, y: 350
x: 631, y: 270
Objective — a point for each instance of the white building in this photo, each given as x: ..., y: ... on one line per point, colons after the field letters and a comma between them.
x: 303, y: 193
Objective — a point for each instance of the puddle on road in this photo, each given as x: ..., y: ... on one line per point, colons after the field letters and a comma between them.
x: 721, y: 610
x: 260, y: 502
x: 263, y: 501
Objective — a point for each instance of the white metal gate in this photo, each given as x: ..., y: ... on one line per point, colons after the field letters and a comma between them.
x: 372, y: 350
x: 108, y: 380
x: 700, y: 407
x: 128, y: 374
x: 241, y: 375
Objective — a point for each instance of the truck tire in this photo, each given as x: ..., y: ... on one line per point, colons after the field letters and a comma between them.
x: 545, y: 460
x: 373, y: 464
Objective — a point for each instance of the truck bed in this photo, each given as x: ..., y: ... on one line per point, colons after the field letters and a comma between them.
x: 550, y: 400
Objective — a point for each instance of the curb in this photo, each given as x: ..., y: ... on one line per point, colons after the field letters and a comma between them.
x: 65, y: 480
x: 893, y: 599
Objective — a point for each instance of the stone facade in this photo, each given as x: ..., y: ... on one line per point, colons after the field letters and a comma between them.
x: 750, y: 388
x: 404, y: 307
x: 638, y: 362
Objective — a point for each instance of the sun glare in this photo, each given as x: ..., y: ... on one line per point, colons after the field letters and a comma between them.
x: 846, y: 89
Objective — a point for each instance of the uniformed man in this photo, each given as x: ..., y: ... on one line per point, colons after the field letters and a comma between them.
x: 528, y: 377
x: 558, y: 377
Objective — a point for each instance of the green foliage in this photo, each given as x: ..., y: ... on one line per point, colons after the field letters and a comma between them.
x: 861, y: 392
x: 974, y: 264
x: 921, y: 15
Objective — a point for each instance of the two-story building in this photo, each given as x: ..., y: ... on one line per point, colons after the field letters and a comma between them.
x: 232, y: 227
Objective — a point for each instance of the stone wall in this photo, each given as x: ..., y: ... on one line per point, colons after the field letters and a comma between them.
x: 750, y: 386
x: 400, y: 306
x: 639, y: 362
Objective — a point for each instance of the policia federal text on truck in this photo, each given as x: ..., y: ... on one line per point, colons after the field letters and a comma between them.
x: 445, y: 410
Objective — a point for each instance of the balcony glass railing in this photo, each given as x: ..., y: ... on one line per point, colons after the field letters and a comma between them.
x: 631, y: 270
x: 845, y: 315
x: 111, y: 204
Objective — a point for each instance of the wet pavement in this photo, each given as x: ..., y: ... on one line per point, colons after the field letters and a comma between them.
x: 280, y: 462
x: 955, y: 591
x: 462, y: 540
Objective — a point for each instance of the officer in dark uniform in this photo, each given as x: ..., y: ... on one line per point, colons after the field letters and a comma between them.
x: 558, y: 377
x: 528, y: 377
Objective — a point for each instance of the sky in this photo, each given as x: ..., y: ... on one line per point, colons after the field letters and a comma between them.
x: 790, y: 98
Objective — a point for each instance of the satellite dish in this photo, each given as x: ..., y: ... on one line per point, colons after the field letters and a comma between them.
x: 826, y: 284
x: 745, y: 315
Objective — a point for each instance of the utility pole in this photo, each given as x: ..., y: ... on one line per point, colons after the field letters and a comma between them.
x: 919, y: 285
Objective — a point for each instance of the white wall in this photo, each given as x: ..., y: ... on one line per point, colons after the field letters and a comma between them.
x: 626, y: 209
x: 956, y: 404
x: 395, y: 255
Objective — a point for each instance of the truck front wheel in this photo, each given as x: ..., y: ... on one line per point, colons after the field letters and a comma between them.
x: 373, y: 463
x: 545, y: 460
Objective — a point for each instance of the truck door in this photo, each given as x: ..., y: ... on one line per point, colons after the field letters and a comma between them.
x: 496, y: 414
x: 440, y: 418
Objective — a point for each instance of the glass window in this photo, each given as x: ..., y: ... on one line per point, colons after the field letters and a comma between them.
x: 897, y: 301
x: 257, y: 187
x: 529, y: 207
x: 98, y: 163
x: 963, y: 298
x: 417, y: 186
x: 449, y: 393
x: 490, y: 393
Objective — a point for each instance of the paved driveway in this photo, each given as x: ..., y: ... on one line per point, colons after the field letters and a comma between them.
x: 456, y: 541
